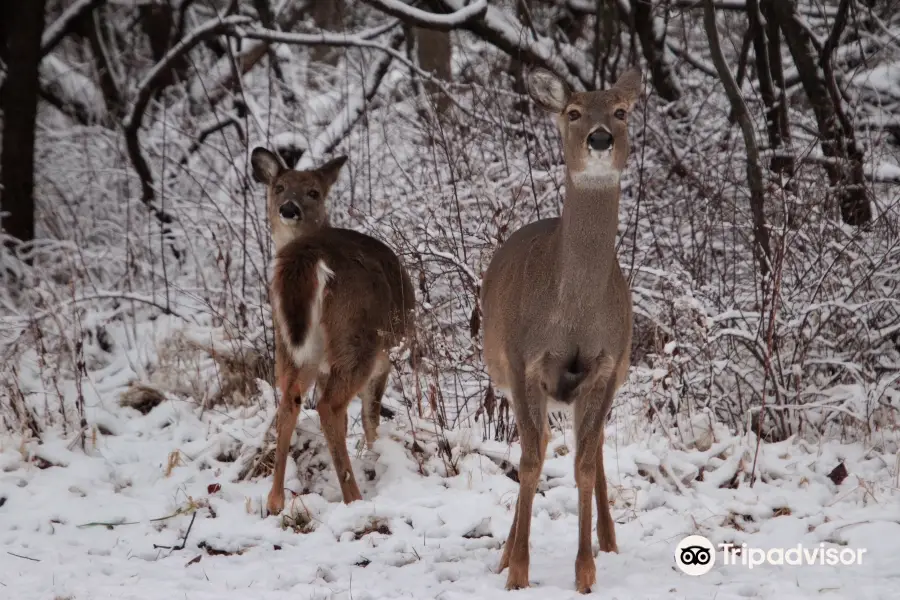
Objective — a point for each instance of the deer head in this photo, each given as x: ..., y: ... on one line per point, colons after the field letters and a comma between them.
x: 295, y: 200
x: 593, y: 125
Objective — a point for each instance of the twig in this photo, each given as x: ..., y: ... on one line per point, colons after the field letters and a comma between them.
x: 25, y: 557
x: 108, y: 525
x: 183, y: 541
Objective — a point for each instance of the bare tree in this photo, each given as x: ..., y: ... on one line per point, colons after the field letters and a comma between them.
x: 767, y: 49
x: 845, y: 167
x: 433, y: 51
x: 653, y: 44
x: 328, y: 15
x: 25, y: 26
x: 754, y: 170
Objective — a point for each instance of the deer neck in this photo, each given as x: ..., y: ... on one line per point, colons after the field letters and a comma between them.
x: 587, y: 233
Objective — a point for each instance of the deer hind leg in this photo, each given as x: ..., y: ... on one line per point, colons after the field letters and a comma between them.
x: 533, y: 440
x: 606, y: 532
x: 294, y: 383
x: 343, y: 384
x: 371, y: 395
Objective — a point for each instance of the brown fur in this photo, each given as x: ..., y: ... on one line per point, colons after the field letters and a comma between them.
x: 557, y: 315
x: 367, y: 304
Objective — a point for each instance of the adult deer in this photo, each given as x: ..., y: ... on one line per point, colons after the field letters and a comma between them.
x: 341, y: 300
x: 557, y: 313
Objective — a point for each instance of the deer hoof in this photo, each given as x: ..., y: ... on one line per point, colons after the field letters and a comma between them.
x: 517, y: 578
x: 275, y: 503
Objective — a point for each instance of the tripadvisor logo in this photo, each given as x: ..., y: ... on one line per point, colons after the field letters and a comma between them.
x: 696, y: 555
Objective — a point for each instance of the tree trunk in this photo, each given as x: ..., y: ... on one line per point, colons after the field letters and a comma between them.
x: 433, y: 51
x: 158, y: 24
x: 607, y: 49
x: 779, y: 109
x: 328, y: 15
x: 653, y: 45
x: 761, y: 246
x: 23, y: 41
x: 845, y: 170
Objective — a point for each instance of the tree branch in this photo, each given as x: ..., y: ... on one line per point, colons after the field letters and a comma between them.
x: 509, y: 35
x: 66, y: 24
x: 145, y: 90
x: 355, y: 108
x: 429, y: 20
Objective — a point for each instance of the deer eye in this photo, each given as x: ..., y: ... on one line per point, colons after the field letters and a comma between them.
x: 313, y: 194
x: 279, y: 189
x: 620, y: 114
x: 574, y: 115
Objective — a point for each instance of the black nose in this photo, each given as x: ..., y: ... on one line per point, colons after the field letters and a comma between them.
x: 600, y: 140
x: 289, y: 211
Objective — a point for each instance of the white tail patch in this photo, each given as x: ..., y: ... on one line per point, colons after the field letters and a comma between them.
x: 312, y: 350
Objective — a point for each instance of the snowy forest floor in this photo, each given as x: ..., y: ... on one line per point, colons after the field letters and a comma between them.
x: 101, y: 523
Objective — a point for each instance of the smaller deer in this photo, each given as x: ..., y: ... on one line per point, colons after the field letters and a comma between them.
x: 557, y: 313
x: 341, y: 300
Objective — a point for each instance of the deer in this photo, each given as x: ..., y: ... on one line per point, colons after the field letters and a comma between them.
x: 557, y: 313
x: 341, y: 301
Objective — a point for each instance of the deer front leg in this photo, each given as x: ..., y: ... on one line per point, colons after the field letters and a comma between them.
x: 510, y: 540
x: 588, y: 434
x: 532, y: 428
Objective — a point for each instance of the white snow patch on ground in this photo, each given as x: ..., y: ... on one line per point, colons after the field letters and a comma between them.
x: 85, y: 526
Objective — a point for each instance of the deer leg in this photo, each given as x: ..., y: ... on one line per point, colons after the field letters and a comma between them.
x: 293, y: 382
x: 332, y: 407
x: 510, y: 541
x: 589, y: 413
x: 606, y: 532
x: 371, y: 402
x: 532, y: 430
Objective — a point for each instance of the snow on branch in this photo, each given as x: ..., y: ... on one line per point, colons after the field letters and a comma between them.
x: 61, y: 27
x: 145, y: 90
x: 221, y: 76
x: 355, y: 108
x: 429, y: 20
x: 505, y: 32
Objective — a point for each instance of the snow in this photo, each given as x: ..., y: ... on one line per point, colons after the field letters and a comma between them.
x: 455, y: 19
x: 88, y: 524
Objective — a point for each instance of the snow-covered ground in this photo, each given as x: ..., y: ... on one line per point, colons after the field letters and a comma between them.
x: 93, y: 524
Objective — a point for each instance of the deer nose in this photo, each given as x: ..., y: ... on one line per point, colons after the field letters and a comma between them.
x: 600, y: 139
x: 289, y: 211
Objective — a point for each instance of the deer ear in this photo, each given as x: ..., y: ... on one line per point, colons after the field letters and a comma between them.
x: 266, y: 166
x: 630, y: 84
x: 330, y: 170
x: 549, y: 91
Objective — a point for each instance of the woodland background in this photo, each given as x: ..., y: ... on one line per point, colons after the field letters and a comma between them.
x: 759, y: 219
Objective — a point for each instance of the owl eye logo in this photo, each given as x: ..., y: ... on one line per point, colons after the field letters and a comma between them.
x: 695, y: 555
